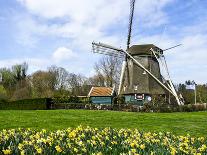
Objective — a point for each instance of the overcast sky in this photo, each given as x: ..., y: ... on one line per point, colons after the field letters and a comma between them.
x: 60, y: 32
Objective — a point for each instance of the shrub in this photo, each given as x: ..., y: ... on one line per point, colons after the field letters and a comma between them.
x: 70, y: 99
x: 121, y: 100
x: 69, y: 106
x: 165, y: 108
x: 199, y: 107
x: 115, y: 100
x: 147, y: 107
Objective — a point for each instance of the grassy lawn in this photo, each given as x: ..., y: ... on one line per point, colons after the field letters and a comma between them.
x: 194, y: 123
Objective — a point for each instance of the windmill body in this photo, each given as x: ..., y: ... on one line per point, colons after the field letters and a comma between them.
x: 140, y: 75
x: 136, y: 80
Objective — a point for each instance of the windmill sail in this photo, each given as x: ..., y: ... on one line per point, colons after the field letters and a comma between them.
x: 125, y: 68
x: 107, y: 50
x: 140, y: 72
x: 131, y: 15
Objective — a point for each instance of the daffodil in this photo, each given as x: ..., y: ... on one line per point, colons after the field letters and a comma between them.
x: 58, y: 148
x: 75, y: 150
x: 22, y: 152
x: 20, y: 146
x: 142, y: 146
x: 7, y: 151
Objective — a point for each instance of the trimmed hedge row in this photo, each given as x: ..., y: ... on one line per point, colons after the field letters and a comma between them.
x: 39, y: 103
x: 175, y: 108
x: 26, y: 104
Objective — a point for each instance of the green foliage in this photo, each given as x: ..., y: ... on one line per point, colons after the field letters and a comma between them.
x: 24, y: 92
x: 15, y: 81
x: 43, y: 84
x: 115, y: 100
x: 189, y: 95
x: 159, y: 104
x: 202, y: 93
x: 27, y: 104
x: 121, y: 100
x: 8, y: 81
x: 147, y: 107
x: 3, y: 94
x: 118, y: 100
x: 20, y: 71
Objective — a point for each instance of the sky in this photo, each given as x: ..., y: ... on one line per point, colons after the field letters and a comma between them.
x: 60, y: 32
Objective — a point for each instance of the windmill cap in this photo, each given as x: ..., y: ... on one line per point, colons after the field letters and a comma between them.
x: 144, y: 49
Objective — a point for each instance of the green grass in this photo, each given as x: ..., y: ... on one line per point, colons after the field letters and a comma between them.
x: 194, y: 123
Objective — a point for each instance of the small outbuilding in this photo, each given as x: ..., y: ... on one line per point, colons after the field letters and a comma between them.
x: 101, y: 95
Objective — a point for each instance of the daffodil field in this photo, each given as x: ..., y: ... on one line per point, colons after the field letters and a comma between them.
x: 86, y: 140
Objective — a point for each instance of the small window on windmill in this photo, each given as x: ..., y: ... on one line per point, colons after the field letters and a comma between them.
x: 135, y: 87
x: 124, y: 88
x: 139, y: 96
x: 130, y: 63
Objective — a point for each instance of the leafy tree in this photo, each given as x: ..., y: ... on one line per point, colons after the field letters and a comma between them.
x: 3, y: 93
x: 43, y: 84
x: 8, y: 81
x: 189, y: 95
x: 20, y: 71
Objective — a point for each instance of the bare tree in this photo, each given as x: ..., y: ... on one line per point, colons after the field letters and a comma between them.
x: 61, y: 77
x: 109, y: 68
x: 96, y: 80
x: 76, y: 83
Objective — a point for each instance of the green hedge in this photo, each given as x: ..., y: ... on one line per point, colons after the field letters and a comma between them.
x: 174, y: 108
x: 43, y: 103
x: 26, y: 104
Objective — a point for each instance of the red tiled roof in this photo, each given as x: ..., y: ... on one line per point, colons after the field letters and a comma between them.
x: 101, y: 91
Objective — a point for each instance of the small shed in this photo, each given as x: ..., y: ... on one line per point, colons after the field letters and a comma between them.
x: 101, y: 95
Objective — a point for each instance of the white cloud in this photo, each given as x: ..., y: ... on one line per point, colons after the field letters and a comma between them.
x: 62, y: 54
x: 100, y: 11
x: 58, y: 57
x: 88, y: 20
x: 187, y: 62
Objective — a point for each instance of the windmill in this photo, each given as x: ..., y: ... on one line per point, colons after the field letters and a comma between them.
x: 140, y: 74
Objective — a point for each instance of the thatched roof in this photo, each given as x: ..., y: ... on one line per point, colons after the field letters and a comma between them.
x: 101, y: 91
x: 143, y: 49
